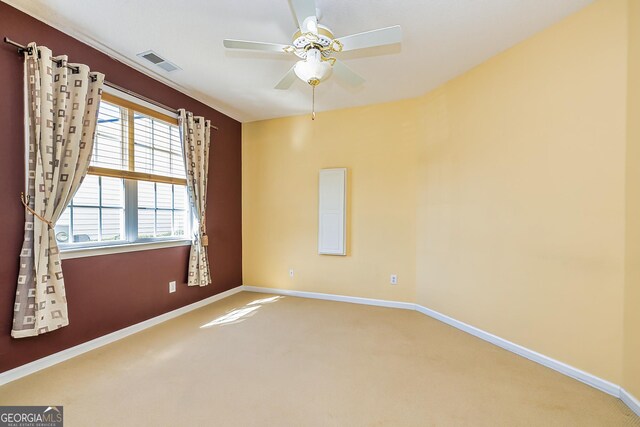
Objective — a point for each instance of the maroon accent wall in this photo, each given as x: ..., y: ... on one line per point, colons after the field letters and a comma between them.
x: 109, y: 292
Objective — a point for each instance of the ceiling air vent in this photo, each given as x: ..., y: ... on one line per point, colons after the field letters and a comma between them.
x: 158, y: 61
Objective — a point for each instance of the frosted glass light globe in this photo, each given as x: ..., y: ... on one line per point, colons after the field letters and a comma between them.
x: 313, y: 69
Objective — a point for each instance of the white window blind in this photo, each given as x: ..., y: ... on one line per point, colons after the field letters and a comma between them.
x: 135, y: 189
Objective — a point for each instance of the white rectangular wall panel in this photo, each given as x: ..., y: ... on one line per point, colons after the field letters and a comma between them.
x: 332, y: 211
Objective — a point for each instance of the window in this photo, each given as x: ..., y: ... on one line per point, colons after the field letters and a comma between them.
x: 135, y: 190
x: 96, y: 213
x: 161, y: 210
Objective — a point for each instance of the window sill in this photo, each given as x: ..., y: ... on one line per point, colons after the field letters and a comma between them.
x: 118, y: 249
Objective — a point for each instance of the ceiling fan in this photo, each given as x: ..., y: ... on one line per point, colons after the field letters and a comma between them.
x: 314, y: 44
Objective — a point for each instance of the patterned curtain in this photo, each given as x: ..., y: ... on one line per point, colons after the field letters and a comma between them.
x: 196, y: 134
x: 62, y: 107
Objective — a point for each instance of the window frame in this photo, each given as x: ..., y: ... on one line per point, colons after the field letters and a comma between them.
x: 130, y: 192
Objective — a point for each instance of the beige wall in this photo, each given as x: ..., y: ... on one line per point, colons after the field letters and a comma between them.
x: 281, y: 161
x: 632, y: 294
x: 521, y: 193
x: 498, y: 199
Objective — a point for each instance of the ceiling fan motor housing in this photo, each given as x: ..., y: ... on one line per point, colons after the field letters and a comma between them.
x: 303, y: 42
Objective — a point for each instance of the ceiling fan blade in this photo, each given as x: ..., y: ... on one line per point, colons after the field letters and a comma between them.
x: 304, y: 9
x: 242, y: 44
x: 380, y: 37
x: 287, y: 80
x: 346, y: 74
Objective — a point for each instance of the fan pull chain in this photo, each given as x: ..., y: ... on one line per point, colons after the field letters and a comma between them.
x: 313, y: 102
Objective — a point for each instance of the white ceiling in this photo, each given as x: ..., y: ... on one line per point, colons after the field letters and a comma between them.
x: 442, y: 39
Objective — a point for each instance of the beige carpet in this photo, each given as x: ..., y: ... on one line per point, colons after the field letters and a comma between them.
x: 255, y: 359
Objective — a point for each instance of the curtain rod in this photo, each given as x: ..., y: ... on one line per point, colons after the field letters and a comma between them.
x: 22, y: 49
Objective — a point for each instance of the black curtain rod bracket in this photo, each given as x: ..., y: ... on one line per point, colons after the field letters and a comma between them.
x: 21, y: 49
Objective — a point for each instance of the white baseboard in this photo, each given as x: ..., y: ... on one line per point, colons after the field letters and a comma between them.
x: 45, y: 362
x: 332, y: 297
x: 556, y: 365
x: 570, y: 371
x: 630, y: 401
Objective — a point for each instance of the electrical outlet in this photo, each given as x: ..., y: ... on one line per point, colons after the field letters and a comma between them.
x: 394, y: 279
x: 291, y: 272
x: 172, y: 286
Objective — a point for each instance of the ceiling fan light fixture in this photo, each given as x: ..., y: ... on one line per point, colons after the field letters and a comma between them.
x: 313, y: 70
x: 312, y: 73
